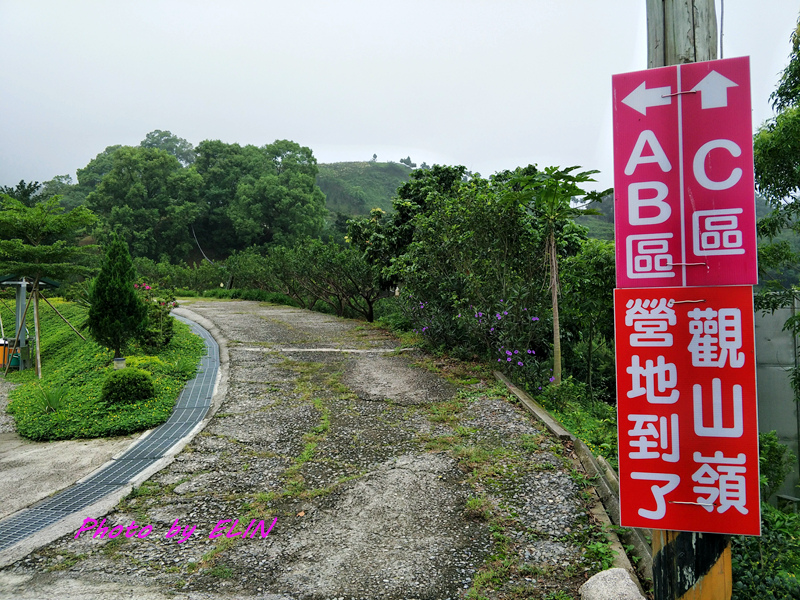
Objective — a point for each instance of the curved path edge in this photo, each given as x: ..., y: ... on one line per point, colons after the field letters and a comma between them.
x: 73, y: 521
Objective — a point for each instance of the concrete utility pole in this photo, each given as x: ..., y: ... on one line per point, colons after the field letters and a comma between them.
x: 686, y: 565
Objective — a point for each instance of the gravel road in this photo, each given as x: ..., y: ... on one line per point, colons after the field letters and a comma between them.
x: 388, y: 475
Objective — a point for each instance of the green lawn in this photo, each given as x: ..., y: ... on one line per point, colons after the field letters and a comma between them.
x: 79, y: 369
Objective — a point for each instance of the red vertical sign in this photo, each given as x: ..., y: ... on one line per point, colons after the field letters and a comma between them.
x: 687, y: 414
x: 683, y: 176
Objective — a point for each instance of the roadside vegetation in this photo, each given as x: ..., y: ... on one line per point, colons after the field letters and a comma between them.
x: 514, y: 272
x: 68, y: 402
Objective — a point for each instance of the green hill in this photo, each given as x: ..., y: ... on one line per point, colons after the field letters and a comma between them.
x: 354, y: 188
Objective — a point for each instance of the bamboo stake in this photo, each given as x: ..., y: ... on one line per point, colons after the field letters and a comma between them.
x: 36, y: 327
x: 62, y: 316
x: 16, y: 339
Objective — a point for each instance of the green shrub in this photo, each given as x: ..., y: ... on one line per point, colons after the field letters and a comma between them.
x: 766, y: 567
x: 51, y: 400
x: 160, y: 325
x: 558, y: 397
x: 776, y: 462
x: 127, y: 386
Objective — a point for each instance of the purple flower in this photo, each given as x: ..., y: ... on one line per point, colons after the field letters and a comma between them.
x: 516, y: 351
x: 492, y: 329
x: 529, y: 351
x: 524, y: 309
x: 499, y: 360
x: 508, y: 352
x: 508, y: 360
x: 498, y: 316
x: 505, y: 313
x: 501, y: 300
x: 552, y: 379
x: 459, y: 315
x: 535, y: 319
x: 520, y: 363
x: 480, y: 314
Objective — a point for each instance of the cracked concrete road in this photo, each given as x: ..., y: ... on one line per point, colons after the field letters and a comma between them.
x: 384, y: 479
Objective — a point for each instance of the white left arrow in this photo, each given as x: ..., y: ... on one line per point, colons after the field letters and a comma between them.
x: 641, y: 98
x: 713, y: 90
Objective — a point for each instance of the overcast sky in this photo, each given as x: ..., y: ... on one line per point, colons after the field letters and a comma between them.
x: 489, y: 84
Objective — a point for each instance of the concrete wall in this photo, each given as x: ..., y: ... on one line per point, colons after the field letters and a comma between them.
x: 776, y: 354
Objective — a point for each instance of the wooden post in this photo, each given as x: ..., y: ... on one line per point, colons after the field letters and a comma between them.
x: 36, y: 328
x: 686, y: 565
x: 680, y: 31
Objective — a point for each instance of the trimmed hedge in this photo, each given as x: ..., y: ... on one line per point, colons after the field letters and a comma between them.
x: 127, y: 386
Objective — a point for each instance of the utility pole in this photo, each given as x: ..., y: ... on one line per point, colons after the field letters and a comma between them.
x: 686, y: 565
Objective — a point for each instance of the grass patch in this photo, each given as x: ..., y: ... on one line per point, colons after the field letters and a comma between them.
x: 78, y: 369
x: 479, y: 508
x: 221, y: 572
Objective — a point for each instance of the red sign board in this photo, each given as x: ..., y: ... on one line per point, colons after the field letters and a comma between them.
x: 686, y: 409
x: 683, y: 176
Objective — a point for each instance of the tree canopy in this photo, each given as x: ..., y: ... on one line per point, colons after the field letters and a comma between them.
x: 150, y: 200
x: 171, y: 144
x: 41, y: 240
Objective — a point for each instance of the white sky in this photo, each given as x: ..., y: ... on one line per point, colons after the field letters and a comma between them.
x: 490, y: 84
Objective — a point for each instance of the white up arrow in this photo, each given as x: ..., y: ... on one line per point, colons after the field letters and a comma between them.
x: 641, y: 98
x: 714, y: 90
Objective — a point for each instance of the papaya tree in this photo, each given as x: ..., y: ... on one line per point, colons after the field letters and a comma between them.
x: 550, y: 194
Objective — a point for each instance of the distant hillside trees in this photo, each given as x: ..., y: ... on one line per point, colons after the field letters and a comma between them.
x: 355, y: 188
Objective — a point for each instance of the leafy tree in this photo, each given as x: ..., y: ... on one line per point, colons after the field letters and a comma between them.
x: 256, y: 195
x: 776, y: 148
x: 27, y: 193
x: 170, y: 143
x: 407, y: 162
x: 150, y: 200
x: 284, y: 204
x: 92, y: 174
x: 383, y: 239
x: 41, y: 241
x: 551, y: 193
x: 62, y: 185
x: 587, y: 278
x: 116, y: 313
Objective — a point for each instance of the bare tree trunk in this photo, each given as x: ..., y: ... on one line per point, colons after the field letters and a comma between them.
x: 589, y: 359
x: 551, y: 243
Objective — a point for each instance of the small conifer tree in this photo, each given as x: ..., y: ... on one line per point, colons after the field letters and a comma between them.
x: 116, y: 312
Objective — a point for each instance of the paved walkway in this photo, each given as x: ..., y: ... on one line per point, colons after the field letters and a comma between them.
x: 381, y: 480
